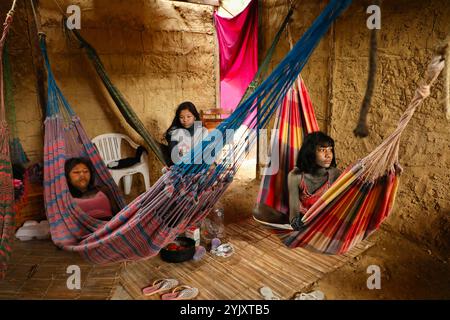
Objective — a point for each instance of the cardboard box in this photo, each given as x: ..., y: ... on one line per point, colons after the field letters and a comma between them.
x: 194, y: 234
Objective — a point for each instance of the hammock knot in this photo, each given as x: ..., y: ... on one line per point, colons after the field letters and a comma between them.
x: 435, y: 67
x: 423, y: 91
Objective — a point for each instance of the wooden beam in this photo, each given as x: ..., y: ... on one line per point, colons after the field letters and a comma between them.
x: 215, y: 3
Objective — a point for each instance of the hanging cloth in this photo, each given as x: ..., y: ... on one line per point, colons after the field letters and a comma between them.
x: 238, y: 53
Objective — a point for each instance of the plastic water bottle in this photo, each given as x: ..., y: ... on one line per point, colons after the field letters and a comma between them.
x: 213, y: 225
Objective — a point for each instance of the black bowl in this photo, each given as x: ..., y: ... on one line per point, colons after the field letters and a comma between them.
x: 179, y: 255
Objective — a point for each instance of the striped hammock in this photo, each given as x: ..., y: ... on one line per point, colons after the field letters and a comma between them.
x: 294, y: 120
x: 186, y: 193
x: 7, y: 213
x: 359, y: 200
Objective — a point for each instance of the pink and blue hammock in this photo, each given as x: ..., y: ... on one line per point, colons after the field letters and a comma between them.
x: 10, y: 151
x: 186, y: 193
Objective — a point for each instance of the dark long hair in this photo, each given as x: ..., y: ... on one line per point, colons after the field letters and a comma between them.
x: 69, y: 165
x: 306, y: 158
x: 187, y: 105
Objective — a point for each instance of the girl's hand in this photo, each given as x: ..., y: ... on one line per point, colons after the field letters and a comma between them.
x: 182, y: 150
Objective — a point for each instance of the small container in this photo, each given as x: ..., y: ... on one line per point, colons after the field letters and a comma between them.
x: 194, y: 234
x: 213, y: 226
x: 180, y: 250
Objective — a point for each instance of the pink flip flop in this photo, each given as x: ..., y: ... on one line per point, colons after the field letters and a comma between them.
x: 181, y: 293
x: 160, y: 285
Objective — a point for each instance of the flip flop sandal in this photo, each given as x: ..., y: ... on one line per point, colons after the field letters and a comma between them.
x: 181, y: 293
x: 284, y: 226
x: 160, y: 285
x: 267, y: 293
x: 314, y: 295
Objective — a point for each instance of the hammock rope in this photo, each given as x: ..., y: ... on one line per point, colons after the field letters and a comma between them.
x: 7, y: 213
x: 262, y: 70
x: 445, y: 49
x: 385, y: 157
x: 185, y: 193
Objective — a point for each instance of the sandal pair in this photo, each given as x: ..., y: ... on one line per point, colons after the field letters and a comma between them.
x: 162, y: 286
x: 314, y: 295
x: 268, y: 294
x: 181, y: 293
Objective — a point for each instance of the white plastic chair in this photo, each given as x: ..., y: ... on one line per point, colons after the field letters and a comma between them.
x: 109, y: 146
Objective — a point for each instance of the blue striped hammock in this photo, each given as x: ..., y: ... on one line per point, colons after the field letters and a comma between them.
x: 185, y: 194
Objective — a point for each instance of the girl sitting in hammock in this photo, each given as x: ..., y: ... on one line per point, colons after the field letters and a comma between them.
x: 95, y: 201
x: 185, y: 131
x: 314, y: 173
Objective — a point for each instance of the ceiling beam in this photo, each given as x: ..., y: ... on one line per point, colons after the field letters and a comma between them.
x: 207, y: 2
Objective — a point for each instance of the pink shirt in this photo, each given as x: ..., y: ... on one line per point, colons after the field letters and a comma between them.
x: 97, y: 206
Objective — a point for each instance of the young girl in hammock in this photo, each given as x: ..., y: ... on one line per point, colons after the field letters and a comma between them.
x: 95, y: 201
x: 313, y: 174
x: 185, y: 131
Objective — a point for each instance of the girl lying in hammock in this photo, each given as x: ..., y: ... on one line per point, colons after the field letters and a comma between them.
x: 185, y: 131
x: 92, y: 199
x: 314, y: 173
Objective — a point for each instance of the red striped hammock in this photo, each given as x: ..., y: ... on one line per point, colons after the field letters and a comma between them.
x: 294, y: 119
x: 7, y: 213
x: 359, y: 200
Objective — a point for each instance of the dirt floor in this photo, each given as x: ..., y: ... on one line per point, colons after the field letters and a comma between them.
x: 408, y: 270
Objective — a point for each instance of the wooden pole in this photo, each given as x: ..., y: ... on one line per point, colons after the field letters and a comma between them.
x: 38, y: 61
x: 215, y: 3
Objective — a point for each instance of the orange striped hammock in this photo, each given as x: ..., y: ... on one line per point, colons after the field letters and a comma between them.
x: 359, y: 200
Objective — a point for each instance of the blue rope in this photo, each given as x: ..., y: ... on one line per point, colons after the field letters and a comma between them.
x: 55, y: 96
x: 266, y: 97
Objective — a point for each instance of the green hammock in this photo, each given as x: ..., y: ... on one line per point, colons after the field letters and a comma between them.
x: 18, y: 155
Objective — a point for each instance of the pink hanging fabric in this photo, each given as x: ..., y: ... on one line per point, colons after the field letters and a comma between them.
x: 238, y: 51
